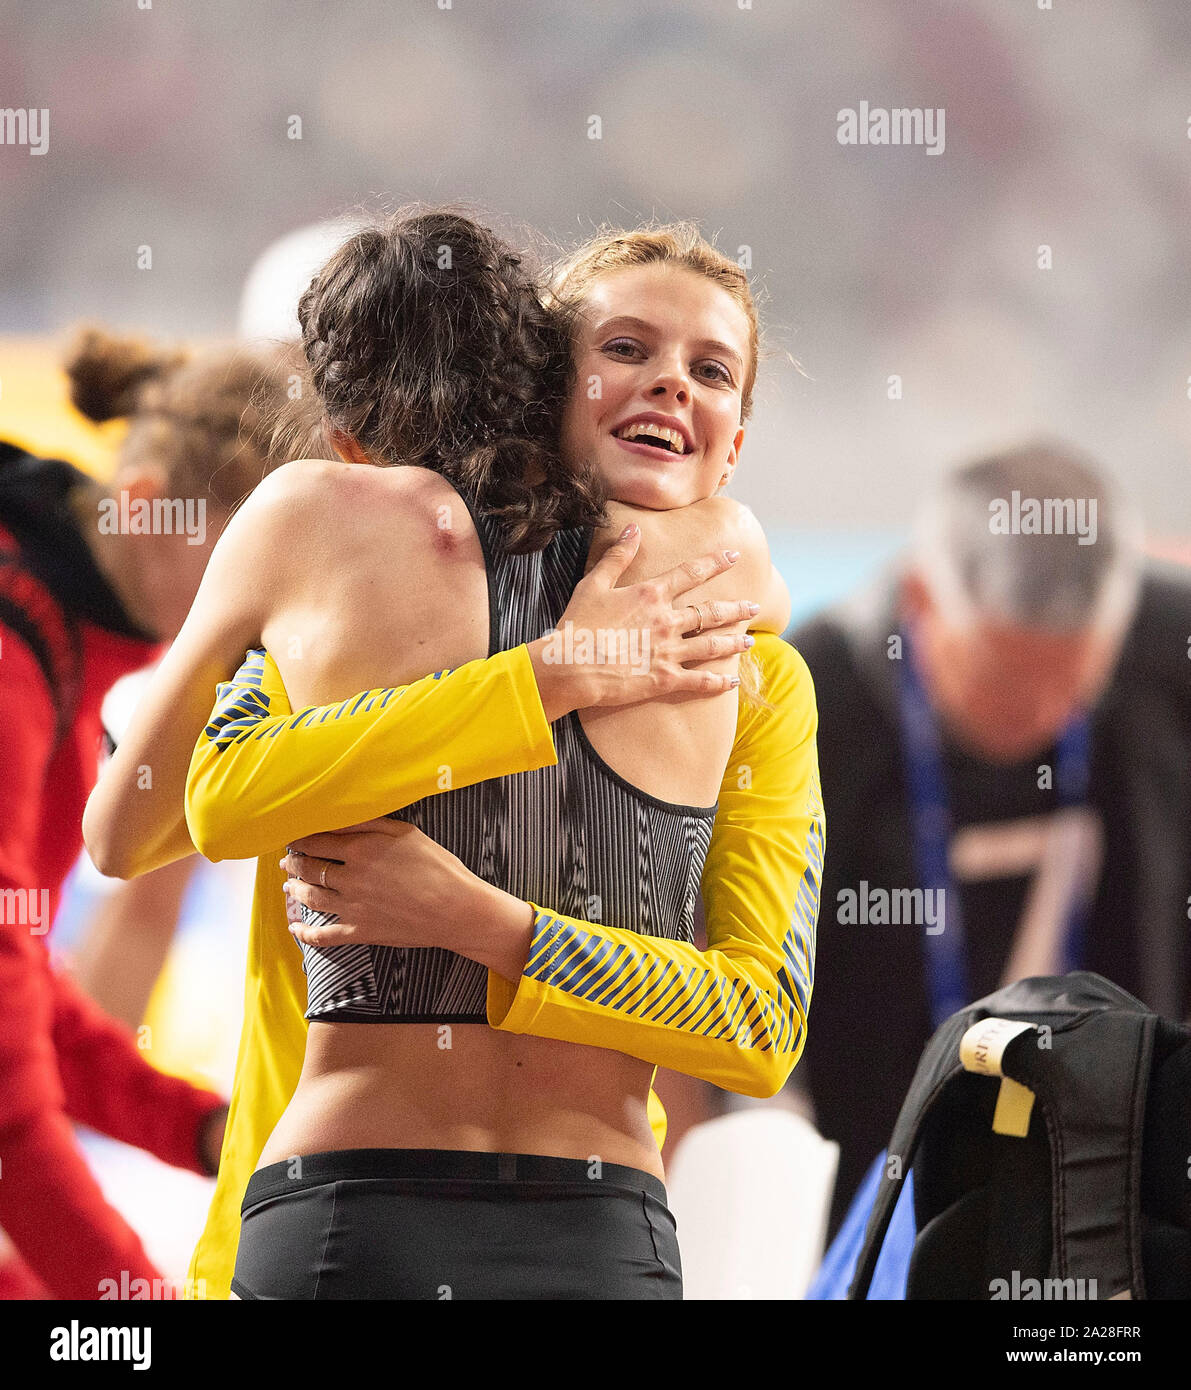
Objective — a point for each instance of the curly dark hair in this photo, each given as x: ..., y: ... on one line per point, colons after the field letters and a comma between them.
x: 428, y: 343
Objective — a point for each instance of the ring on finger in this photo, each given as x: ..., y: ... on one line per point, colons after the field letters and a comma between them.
x: 698, y: 612
x: 322, y: 878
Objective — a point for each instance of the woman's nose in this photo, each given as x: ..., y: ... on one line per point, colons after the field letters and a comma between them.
x: 671, y: 384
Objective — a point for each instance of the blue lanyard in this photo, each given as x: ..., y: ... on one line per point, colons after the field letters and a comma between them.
x: 946, y: 952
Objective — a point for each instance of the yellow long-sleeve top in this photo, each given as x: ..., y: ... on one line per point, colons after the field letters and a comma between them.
x: 734, y: 1014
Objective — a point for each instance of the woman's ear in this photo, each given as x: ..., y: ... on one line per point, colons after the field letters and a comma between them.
x: 733, y: 458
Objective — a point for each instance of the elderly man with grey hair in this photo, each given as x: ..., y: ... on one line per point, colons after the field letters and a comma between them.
x: 1005, y: 750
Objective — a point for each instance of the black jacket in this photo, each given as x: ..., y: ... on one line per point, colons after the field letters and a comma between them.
x: 869, y: 1017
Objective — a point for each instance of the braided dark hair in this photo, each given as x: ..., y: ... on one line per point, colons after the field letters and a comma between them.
x: 428, y: 343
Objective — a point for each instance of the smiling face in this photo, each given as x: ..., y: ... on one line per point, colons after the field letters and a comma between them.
x: 661, y: 358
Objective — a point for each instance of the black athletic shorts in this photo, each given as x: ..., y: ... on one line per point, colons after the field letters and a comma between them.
x: 444, y: 1224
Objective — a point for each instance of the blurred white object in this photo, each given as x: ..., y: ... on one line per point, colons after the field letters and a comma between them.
x: 121, y: 701
x: 281, y: 274
x: 167, y: 1207
x: 751, y: 1192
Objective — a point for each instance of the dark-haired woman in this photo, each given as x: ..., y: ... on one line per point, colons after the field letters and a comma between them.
x: 568, y: 1100
x: 82, y: 603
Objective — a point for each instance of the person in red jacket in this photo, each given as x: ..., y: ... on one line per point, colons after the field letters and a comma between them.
x: 93, y: 582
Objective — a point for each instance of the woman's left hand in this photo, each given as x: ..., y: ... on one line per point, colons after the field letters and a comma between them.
x: 388, y: 883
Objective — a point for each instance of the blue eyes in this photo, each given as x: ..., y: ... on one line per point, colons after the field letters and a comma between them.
x: 624, y: 347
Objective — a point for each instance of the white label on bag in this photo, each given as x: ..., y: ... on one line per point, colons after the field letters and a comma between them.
x: 983, y: 1045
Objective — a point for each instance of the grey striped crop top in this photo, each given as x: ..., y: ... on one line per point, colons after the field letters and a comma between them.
x: 576, y: 837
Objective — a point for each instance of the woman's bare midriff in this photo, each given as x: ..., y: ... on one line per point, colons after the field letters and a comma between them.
x: 465, y: 1086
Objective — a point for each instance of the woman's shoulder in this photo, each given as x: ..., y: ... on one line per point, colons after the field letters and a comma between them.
x: 313, y: 514
x: 305, y: 493
x: 718, y: 513
x: 685, y: 532
x: 302, y: 480
x: 727, y: 511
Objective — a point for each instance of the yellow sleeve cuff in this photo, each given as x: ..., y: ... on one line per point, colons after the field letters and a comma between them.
x: 536, y: 734
x: 513, y: 1007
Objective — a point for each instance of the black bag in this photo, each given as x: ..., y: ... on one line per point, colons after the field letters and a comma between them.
x: 1051, y: 1160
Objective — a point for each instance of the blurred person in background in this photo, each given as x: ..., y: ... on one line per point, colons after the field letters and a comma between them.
x: 94, y: 580
x: 1006, y: 725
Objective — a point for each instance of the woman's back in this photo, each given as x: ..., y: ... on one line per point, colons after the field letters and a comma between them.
x: 403, y: 590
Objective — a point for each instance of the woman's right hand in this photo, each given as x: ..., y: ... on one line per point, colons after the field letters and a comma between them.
x: 621, y: 646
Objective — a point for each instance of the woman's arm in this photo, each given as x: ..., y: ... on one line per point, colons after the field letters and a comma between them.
x: 262, y: 775
x: 134, y: 818
x: 734, y: 1014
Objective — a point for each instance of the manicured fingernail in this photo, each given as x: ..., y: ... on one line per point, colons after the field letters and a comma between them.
x: 628, y: 531
x: 731, y: 556
x: 749, y: 639
x: 754, y: 609
x: 734, y: 682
